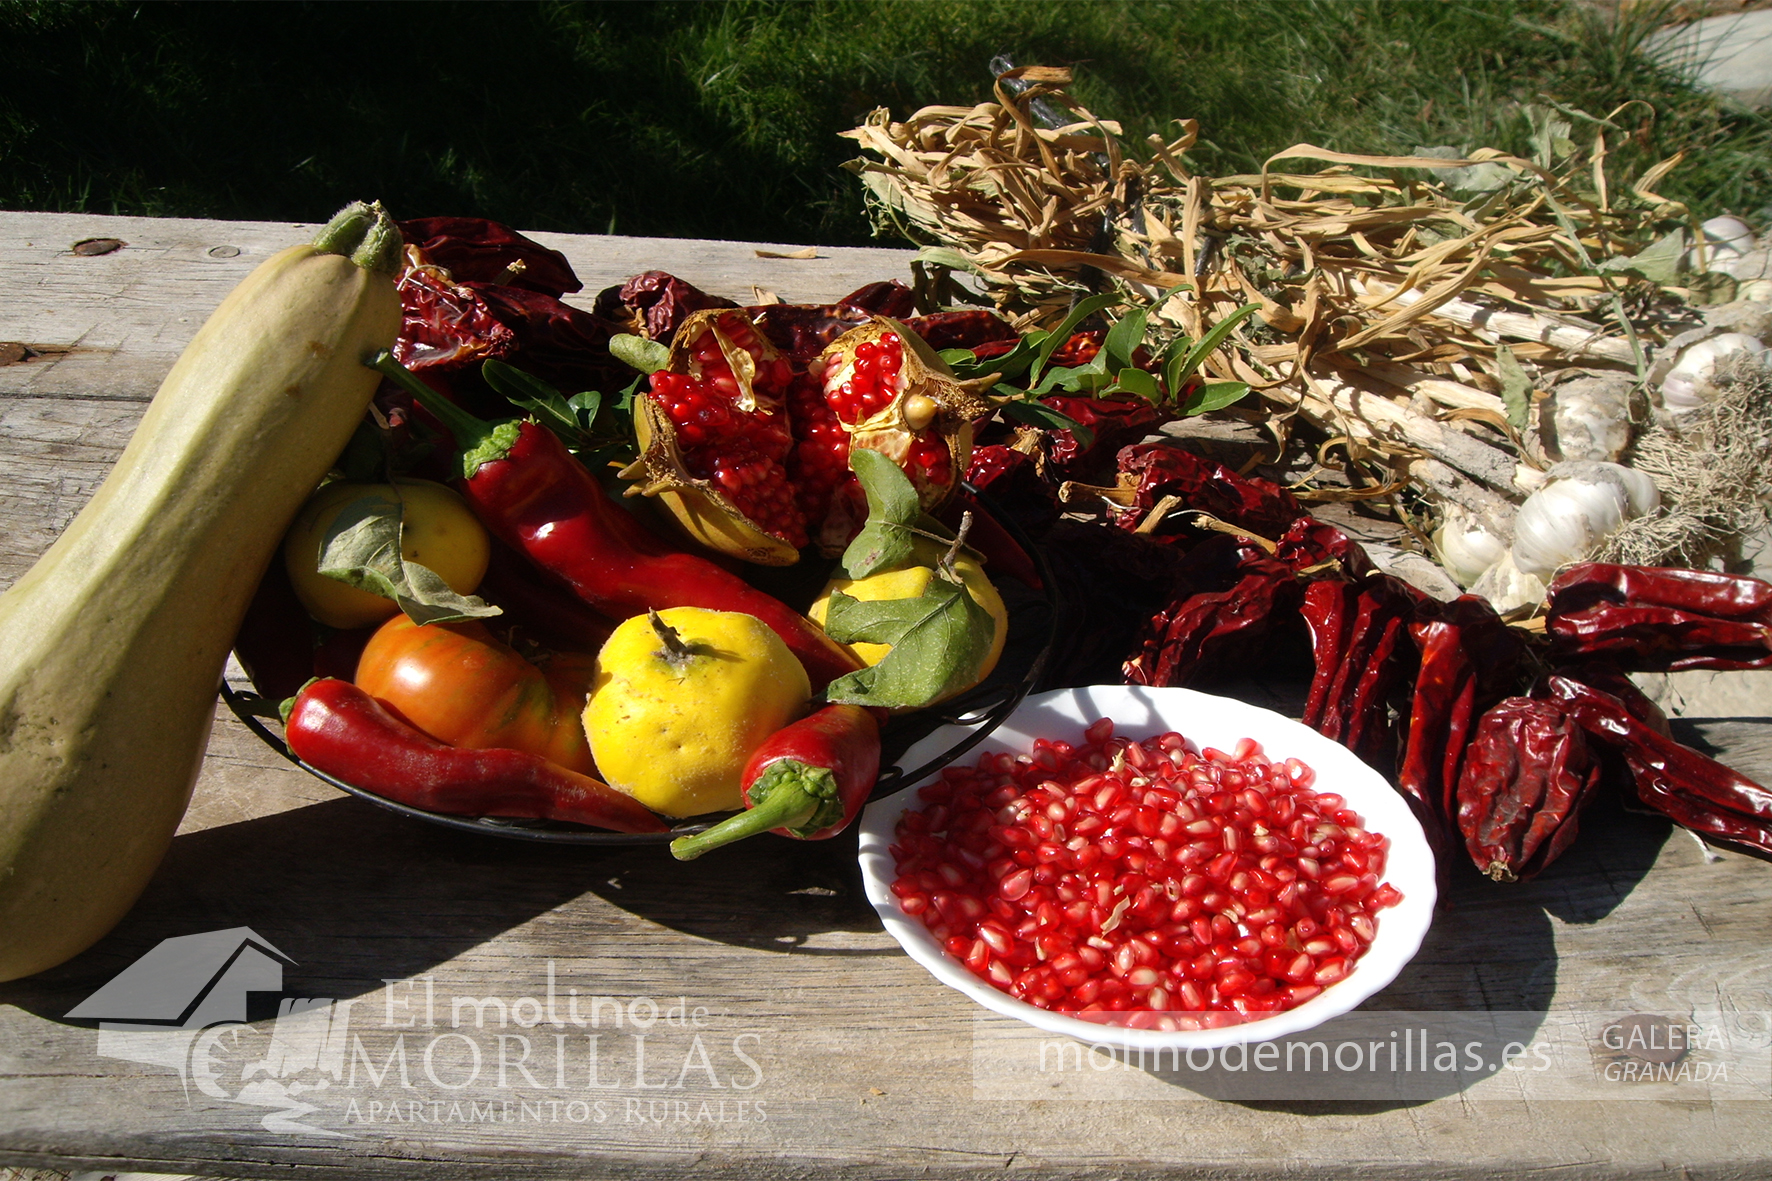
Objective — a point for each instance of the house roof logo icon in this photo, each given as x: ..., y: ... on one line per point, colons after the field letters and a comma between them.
x: 190, y: 981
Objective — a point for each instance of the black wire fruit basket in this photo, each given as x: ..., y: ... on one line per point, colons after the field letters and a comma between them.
x: 1033, y: 621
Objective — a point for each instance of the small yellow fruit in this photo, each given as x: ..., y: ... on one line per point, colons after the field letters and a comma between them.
x: 680, y: 700
x: 909, y: 582
x: 438, y: 531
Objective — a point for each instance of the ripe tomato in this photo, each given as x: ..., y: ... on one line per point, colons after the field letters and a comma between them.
x: 460, y: 685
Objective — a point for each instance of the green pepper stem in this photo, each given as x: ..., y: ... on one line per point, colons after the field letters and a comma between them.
x: 788, y: 806
x: 480, y: 441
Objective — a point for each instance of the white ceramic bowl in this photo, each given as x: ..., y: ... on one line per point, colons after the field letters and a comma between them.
x: 1204, y: 720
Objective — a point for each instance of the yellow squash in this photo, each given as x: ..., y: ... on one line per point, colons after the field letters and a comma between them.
x: 112, y: 645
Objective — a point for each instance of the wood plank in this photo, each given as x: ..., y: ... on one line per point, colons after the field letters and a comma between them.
x: 866, y: 1066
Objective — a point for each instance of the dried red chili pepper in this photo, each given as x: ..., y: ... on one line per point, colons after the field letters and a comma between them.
x: 1655, y: 619
x: 449, y: 329
x: 801, y: 331
x: 1690, y: 788
x: 653, y: 304
x: 1012, y: 479
x: 1527, y: 776
x: 1363, y: 670
x: 536, y: 497
x: 807, y: 781
x: 1206, y: 632
x: 1108, y: 584
x: 1467, y: 656
x: 972, y: 329
x: 1114, y: 423
x: 1160, y: 470
x: 341, y: 730
x: 475, y: 250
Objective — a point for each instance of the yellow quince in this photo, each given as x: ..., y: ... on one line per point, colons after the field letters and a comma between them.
x: 681, y: 698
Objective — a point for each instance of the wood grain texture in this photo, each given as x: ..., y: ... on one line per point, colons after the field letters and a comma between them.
x: 864, y: 1066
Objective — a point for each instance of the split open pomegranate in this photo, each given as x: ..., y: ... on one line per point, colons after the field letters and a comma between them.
x: 1146, y: 884
x: 751, y: 453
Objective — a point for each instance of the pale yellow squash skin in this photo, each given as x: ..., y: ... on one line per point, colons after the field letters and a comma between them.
x: 112, y: 645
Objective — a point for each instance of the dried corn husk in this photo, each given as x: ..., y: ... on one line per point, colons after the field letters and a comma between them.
x: 1414, y: 309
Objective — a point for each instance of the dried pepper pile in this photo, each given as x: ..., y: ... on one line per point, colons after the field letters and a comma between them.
x: 1499, y: 736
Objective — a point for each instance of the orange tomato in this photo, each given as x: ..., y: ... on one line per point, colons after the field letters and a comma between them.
x: 460, y: 685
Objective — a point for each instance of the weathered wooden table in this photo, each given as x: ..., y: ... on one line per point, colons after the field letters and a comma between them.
x: 434, y: 1003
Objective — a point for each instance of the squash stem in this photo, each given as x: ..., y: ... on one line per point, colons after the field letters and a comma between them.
x: 365, y: 234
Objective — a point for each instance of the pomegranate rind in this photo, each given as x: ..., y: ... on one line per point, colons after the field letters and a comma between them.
x: 699, y: 507
x: 922, y: 374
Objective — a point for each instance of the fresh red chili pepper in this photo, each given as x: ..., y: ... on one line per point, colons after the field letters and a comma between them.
x: 534, y: 495
x: 341, y: 730
x: 807, y: 781
x: 540, y: 606
x: 1527, y: 775
x: 1691, y: 789
x: 1655, y: 619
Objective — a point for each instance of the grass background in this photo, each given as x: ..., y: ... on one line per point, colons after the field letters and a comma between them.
x: 719, y: 118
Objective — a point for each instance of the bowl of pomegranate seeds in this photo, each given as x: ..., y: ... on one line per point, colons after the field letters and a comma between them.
x: 1153, y: 867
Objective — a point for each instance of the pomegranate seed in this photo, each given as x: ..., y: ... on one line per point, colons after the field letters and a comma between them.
x: 1074, y: 878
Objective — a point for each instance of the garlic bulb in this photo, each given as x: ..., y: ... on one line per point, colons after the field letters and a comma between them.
x: 1688, y: 385
x: 1562, y: 522
x: 1728, y: 234
x: 1507, y: 587
x: 1589, y: 418
x: 1466, y: 546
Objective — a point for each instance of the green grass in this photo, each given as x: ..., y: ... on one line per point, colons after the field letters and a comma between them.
x: 719, y: 119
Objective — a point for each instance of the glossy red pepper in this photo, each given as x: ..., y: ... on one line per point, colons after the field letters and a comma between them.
x: 807, y: 781
x: 341, y: 730
x: 535, y: 496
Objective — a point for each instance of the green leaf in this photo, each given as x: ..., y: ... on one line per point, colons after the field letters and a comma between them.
x: 585, y: 407
x: 1137, y: 381
x: 1180, y: 365
x: 939, y: 642
x: 1658, y: 262
x: 648, y: 356
x: 1516, y: 387
x: 1124, y: 338
x: 956, y: 357
x: 362, y: 549
x: 887, y: 541
x: 1214, y: 395
x: 540, y: 399
x: 1084, y: 309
